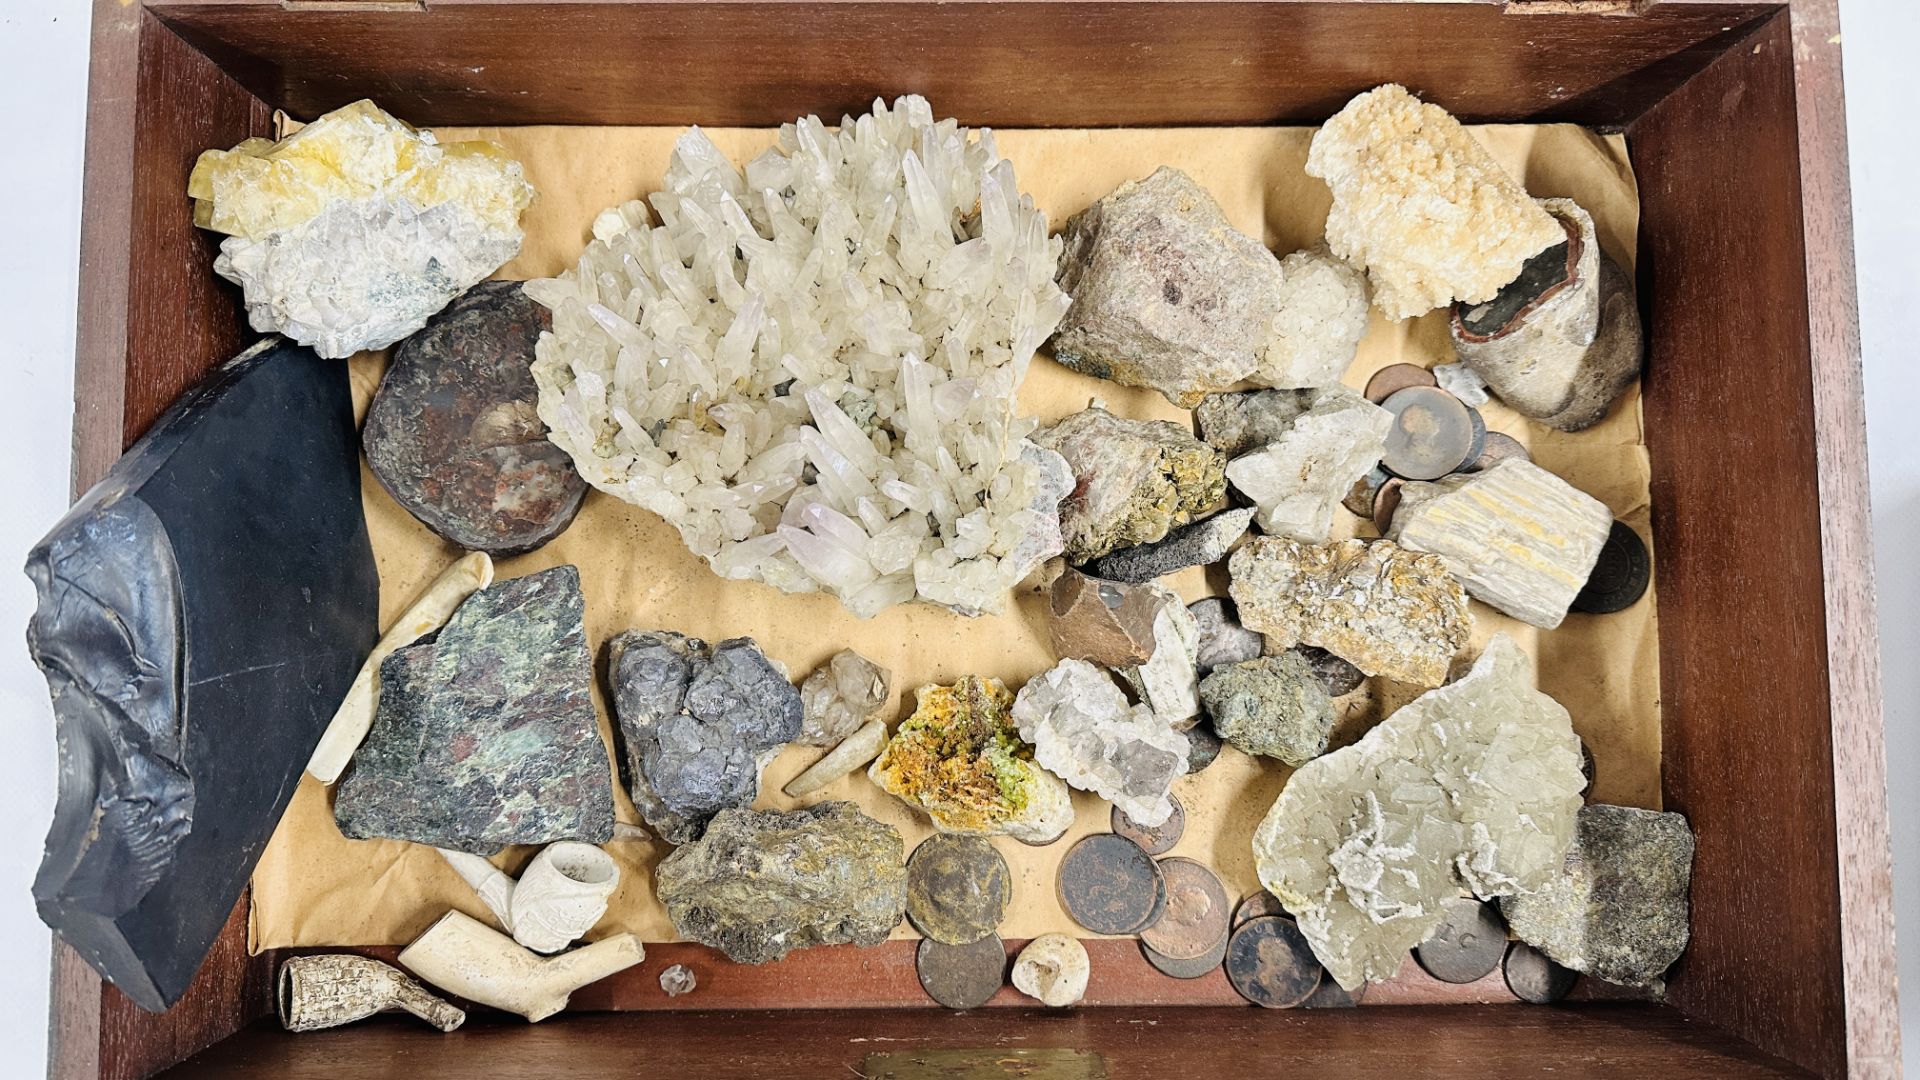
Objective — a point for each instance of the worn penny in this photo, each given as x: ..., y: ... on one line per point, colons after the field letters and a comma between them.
x: 961, y: 976
x: 1260, y: 903
x: 1433, y: 434
x: 1394, y: 378
x: 1203, y: 746
x: 1269, y: 963
x: 957, y: 888
x: 1153, y: 839
x: 1198, y: 915
x: 1385, y: 501
x: 1197, y: 968
x: 1467, y: 945
x: 1330, y: 995
x: 1109, y: 885
x: 1535, y: 979
x: 1497, y: 447
x: 1620, y: 577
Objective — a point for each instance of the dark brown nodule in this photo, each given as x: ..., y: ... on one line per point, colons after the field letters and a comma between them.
x: 1270, y: 964
x: 1110, y: 886
x: 1621, y: 575
x: 957, y: 888
x: 1203, y: 747
x: 1331, y: 995
x: 1386, y: 499
x: 1394, y: 378
x: 1153, y: 839
x: 961, y: 976
x: 1433, y: 434
x: 1535, y: 979
x: 1197, y: 918
x: 1467, y: 945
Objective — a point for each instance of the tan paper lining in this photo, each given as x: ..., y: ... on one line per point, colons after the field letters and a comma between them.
x: 314, y: 887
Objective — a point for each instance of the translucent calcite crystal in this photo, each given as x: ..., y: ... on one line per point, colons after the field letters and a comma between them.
x: 349, y: 233
x: 1084, y: 731
x: 1475, y: 785
x: 809, y: 368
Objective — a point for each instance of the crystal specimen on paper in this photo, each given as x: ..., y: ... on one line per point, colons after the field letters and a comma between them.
x: 349, y: 233
x: 1303, y: 472
x: 1618, y: 909
x: 1084, y: 732
x: 1385, y: 610
x: 1199, y: 543
x: 1106, y: 622
x: 1133, y: 480
x: 762, y: 883
x: 1168, y: 682
x: 960, y: 758
x: 1474, y: 785
x: 698, y: 722
x: 1222, y: 639
x: 1421, y: 206
x: 809, y: 368
x: 194, y: 644
x: 839, y: 696
x: 453, y: 434
x: 486, y: 734
x: 1563, y: 340
x: 1166, y: 293
x: 1519, y: 538
x: 1321, y: 319
x: 1273, y: 707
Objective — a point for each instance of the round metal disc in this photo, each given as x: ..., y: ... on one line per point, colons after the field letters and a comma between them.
x: 1197, y: 968
x: 1467, y: 945
x: 957, y: 888
x: 1620, y: 577
x: 961, y: 976
x: 1329, y: 995
x: 1260, y: 903
x: 1498, y: 447
x: 1203, y: 746
x: 1269, y: 963
x: 1535, y: 979
x: 1433, y: 434
x: 1153, y: 839
x: 1159, y: 903
x: 1394, y: 378
x: 1110, y: 886
x: 1197, y: 918
x: 1385, y: 502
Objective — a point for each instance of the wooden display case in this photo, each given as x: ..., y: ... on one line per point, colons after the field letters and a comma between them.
x: 1772, y: 720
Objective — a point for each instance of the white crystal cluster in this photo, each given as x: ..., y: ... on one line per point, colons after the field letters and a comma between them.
x: 810, y: 368
x: 1084, y: 732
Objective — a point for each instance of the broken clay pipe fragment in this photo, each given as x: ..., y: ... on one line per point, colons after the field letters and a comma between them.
x: 464, y: 956
x: 560, y: 895
x: 318, y: 992
x: 354, y: 718
x: 854, y: 751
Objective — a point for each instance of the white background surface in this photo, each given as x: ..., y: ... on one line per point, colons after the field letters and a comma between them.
x: 43, y: 57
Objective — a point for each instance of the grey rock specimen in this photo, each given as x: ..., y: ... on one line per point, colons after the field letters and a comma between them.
x: 1309, y: 465
x: 1271, y: 707
x: 1339, y: 677
x: 1518, y: 537
x: 1618, y: 911
x: 1321, y: 318
x: 1199, y: 543
x: 1166, y: 293
x: 1169, y: 681
x: 762, y: 883
x: 1562, y: 341
x: 1222, y: 639
x: 1105, y: 622
x: 1241, y: 423
x: 839, y: 696
x: 1133, y: 480
x: 698, y: 723
x: 1084, y: 732
x: 486, y: 734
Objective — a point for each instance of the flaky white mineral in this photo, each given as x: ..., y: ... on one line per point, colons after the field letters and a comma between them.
x: 1084, y: 732
x: 1297, y: 479
x: 1318, y: 325
x: 809, y: 368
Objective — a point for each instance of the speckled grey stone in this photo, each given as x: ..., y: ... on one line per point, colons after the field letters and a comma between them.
x: 1222, y: 639
x: 1198, y: 544
x: 1273, y: 707
x: 1133, y: 480
x: 1241, y: 423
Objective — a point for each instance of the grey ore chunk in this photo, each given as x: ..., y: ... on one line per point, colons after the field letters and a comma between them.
x: 1199, y: 544
x: 1272, y: 707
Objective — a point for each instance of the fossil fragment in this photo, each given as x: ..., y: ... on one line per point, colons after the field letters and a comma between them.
x: 761, y: 883
x: 1518, y: 537
x: 1053, y: 968
x: 1222, y: 640
x: 852, y: 752
x: 698, y: 724
x: 1421, y: 206
x: 1386, y: 611
x: 960, y: 759
x: 1305, y: 469
x: 1133, y: 480
x: 559, y: 897
x: 467, y: 958
x: 319, y: 992
x: 1272, y: 707
x: 1475, y: 785
x: 1084, y: 732
x: 1198, y: 543
x: 1169, y: 681
x: 839, y: 696
x: 1105, y: 622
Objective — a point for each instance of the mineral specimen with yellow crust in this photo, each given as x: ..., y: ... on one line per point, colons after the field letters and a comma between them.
x: 349, y: 233
x: 960, y: 758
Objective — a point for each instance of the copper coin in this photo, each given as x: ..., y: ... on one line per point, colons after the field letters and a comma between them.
x: 1153, y: 839
x: 957, y: 888
x: 1467, y: 945
x: 1359, y: 498
x: 1159, y: 904
x: 1620, y: 577
x: 1497, y: 447
x: 1330, y: 995
x: 961, y: 976
x: 1198, y: 912
x: 1339, y: 677
x: 1394, y: 378
x: 1269, y: 963
x: 1433, y: 434
x: 1197, y: 968
x: 1203, y: 746
x: 1385, y: 502
x: 1260, y: 903
x: 1535, y: 979
x: 1109, y: 885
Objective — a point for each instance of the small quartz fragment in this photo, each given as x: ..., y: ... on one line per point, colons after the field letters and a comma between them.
x: 1053, y: 968
x: 1201, y: 543
x: 839, y: 696
x: 678, y: 979
x: 1084, y: 732
x: 1169, y: 681
x: 960, y: 759
x: 1421, y: 206
x: 1518, y: 537
x: 1306, y: 468
x: 761, y: 883
x: 1133, y: 480
x: 1618, y: 911
x: 1462, y: 382
x: 1222, y: 639
x: 1321, y: 319
x: 1385, y: 610
x: 1271, y: 707
x: 1474, y: 785
x: 1106, y: 622
x: 698, y: 722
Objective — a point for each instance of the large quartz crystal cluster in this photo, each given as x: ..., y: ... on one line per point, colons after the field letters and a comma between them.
x: 810, y: 368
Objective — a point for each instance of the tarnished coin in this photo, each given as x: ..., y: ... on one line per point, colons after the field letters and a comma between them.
x: 1203, y: 746
x: 1359, y: 498
x: 961, y: 976
x: 1269, y: 962
x: 1198, y: 915
x: 1260, y: 903
x: 1467, y: 945
x: 1197, y: 968
x: 1339, y: 677
x: 1153, y: 839
x: 1159, y: 904
x: 957, y: 888
x: 1109, y: 885
x: 1620, y: 577
x: 1385, y: 502
x: 1394, y: 378
x: 1535, y: 979
x: 1433, y: 434
x: 1329, y: 995
x: 1497, y: 447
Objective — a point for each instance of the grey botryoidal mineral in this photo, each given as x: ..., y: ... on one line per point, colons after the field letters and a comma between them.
x: 1198, y: 543
x: 762, y: 883
x: 1133, y: 480
x: 698, y: 723
x: 839, y: 696
x: 486, y: 734
x: 1271, y: 707
x: 1618, y: 911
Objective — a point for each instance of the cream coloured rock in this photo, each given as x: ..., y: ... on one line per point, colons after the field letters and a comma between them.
x: 465, y: 957
x: 1053, y: 968
x: 559, y: 897
x: 1321, y: 318
x: 853, y: 751
x: 1300, y: 476
x: 1169, y: 681
x: 1084, y: 732
x: 1133, y: 480
x: 839, y: 696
